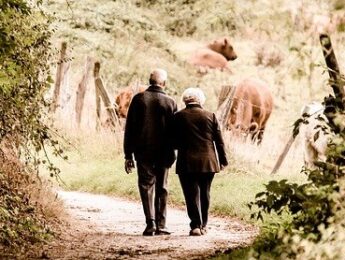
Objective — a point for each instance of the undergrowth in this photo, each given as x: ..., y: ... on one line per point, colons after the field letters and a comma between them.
x: 28, y: 209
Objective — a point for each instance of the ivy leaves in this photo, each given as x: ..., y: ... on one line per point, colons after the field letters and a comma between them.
x: 24, y: 75
x: 24, y: 78
x: 307, y: 208
x: 308, y: 204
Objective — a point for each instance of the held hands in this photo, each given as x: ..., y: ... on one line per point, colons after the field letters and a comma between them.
x: 129, y: 165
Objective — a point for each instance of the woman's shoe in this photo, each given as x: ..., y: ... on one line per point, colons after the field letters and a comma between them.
x: 150, y: 229
x: 162, y: 231
x: 203, y: 231
x: 195, y: 232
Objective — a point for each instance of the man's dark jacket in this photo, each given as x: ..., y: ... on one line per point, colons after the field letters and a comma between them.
x: 198, y: 140
x: 148, y: 126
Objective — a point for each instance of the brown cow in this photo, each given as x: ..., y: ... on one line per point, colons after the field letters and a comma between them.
x: 124, y: 97
x: 251, y: 106
x: 214, y: 56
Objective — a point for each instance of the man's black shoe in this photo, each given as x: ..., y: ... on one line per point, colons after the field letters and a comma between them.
x: 162, y: 231
x: 150, y: 229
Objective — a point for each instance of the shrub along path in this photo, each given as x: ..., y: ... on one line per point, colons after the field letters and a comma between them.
x: 103, y: 227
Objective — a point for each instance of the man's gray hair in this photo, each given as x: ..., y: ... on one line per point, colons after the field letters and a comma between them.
x: 193, y: 95
x: 159, y: 76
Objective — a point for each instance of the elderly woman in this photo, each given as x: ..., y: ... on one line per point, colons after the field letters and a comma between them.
x: 201, y: 154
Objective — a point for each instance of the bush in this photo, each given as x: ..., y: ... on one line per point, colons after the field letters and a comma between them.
x: 21, y: 220
x: 313, y: 207
x: 25, y: 56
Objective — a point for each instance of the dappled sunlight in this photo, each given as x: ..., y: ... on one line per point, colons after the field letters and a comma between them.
x: 114, y: 45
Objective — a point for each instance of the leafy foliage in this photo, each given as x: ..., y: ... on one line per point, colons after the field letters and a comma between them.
x: 311, y: 206
x: 331, y: 243
x: 187, y: 17
x: 25, y: 55
x: 308, y: 204
x: 24, y: 77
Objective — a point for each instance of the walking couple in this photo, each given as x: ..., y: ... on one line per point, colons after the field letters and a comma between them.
x: 154, y: 129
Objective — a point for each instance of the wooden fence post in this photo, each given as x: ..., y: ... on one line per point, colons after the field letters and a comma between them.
x: 283, y: 155
x: 224, y: 92
x: 227, y: 95
x: 81, y: 91
x: 60, y: 71
x: 102, y: 92
x: 96, y: 69
x: 98, y: 109
x: 336, y: 82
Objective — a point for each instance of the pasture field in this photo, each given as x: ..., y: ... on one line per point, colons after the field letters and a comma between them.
x: 98, y: 166
x: 276, y: 41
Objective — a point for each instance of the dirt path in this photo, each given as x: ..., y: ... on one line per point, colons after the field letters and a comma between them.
x: 103, y: 227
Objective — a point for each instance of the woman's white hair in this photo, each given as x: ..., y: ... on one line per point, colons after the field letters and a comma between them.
x: 159, y: 76
x: 193, y: 95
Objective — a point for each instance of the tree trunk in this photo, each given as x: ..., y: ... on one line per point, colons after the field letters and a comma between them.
x: 336, y: 81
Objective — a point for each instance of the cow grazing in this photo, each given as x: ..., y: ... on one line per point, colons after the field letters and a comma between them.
x: 124, y: 98
x: 214, y: 55
x: 314, y: 149
x: 251, y: 106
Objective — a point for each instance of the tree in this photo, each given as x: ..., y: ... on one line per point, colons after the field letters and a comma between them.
x: 25, y: 55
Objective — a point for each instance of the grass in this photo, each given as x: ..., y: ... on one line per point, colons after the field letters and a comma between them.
x: 132, y: 37
x: 230, y: 192
x: 97, y: 166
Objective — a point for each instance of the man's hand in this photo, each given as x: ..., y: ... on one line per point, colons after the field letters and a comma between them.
x: 129, y: 164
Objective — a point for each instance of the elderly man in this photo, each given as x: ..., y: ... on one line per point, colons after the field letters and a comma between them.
x: 147, y: 137
x: 201, y: 154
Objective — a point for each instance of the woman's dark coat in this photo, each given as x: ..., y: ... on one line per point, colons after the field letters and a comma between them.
x: 198, y: 140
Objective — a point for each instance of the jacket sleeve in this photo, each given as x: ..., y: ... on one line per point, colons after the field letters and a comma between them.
x: 219, y: 143
x: 173, y: 133
x: 170, y: 153
x: 129, y: 138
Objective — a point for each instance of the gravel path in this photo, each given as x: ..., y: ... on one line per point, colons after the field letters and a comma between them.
x: 104, y: 227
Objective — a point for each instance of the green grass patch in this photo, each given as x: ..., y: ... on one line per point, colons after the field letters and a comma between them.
x: 96, y: 165
x: 229, y: 193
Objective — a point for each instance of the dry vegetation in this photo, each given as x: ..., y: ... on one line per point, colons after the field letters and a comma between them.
x: 279, y: 46
x: 29, y: 208
x: 276, y: 41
